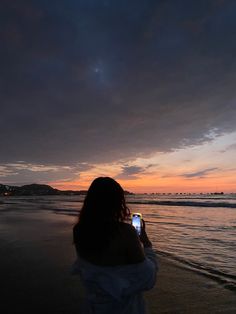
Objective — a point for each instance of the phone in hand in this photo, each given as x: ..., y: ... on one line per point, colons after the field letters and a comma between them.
x: 136, y: 220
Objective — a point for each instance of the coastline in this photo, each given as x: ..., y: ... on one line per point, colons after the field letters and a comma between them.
x: 37, y: 252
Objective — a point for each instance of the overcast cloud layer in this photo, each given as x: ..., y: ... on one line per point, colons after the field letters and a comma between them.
x: 97, y: 81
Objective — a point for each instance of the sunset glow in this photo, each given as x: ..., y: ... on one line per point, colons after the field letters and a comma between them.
x: 204, y: 168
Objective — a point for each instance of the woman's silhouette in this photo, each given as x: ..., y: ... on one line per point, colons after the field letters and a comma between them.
x: 116, y: 265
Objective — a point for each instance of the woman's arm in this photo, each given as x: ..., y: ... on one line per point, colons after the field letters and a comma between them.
x: 133, y: 246
x: 141, y: 249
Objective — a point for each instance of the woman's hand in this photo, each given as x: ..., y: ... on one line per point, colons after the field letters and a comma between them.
x: 144, y: 237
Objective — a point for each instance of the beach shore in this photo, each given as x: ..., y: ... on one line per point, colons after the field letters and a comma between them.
x: 37, y: 252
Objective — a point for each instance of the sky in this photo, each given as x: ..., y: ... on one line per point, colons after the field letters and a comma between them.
x: 142, y: 91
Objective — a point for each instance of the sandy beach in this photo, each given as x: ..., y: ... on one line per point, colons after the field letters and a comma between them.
x: 36, y: 253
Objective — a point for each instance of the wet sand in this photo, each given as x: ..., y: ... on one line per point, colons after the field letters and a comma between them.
x: 36, y: 253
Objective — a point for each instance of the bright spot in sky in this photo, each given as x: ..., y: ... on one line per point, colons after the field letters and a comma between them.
x: 97, y: 70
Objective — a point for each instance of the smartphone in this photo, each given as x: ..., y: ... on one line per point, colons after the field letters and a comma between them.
x: 136, y: 220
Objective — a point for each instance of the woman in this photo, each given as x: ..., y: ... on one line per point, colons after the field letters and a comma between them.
x: 115, y: 264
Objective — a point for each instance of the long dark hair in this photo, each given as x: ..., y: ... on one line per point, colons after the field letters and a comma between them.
x: 103, y: 208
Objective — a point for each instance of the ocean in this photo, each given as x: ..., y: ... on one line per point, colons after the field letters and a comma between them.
x: 198, y: 231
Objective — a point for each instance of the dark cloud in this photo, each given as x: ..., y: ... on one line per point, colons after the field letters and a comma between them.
x: 199, y: 174
x: 90, y: 81
x: 130, y: 172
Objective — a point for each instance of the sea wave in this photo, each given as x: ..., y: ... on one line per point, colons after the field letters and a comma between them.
x: 195, y: 235
x: 191, y: 202
x: 183, y: 203
x: 227, y: 280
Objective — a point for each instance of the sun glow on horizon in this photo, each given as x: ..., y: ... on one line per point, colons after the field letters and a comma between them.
x: 204, y: 168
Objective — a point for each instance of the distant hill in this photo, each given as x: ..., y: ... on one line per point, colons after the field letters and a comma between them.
x: 34, y: 189
x: 37, y: 189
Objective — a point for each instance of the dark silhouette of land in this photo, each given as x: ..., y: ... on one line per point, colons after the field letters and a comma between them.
x: 37, y: 189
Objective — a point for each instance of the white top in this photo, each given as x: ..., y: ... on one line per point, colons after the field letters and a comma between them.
x: 117, y: 289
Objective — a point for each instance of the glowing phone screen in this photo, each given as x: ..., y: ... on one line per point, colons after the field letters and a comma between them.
x: 136, y: 222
